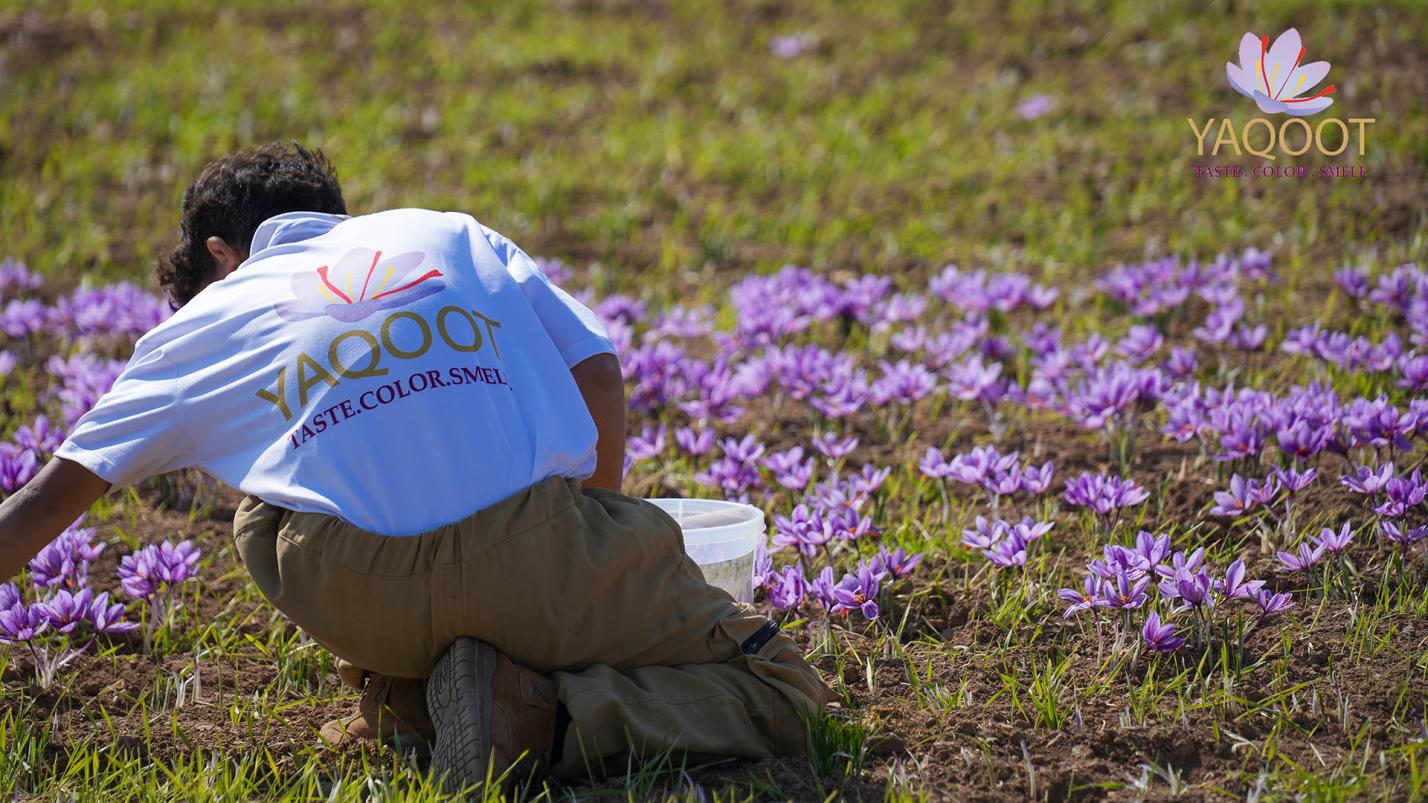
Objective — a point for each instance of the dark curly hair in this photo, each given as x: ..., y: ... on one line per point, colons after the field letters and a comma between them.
x: 235, y: 194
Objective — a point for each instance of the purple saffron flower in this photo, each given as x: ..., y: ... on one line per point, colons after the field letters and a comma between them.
x: 646, y: 445
x: 53, y: 566
x: 83, y: 379
x: 1141, y: 343
x: 21, y: 318
x: 1006, y: 553
x: 113, y: 309
x: 1334, y: 542
x: 933, y: 464
x: 847, y: 525
x: 974, y: 467
x: 1103, y: 493
x: 789, y: 468
x: 64, y: 611
x: 1027, y: 530
x: 897, y: 308
x: 20, y: 624
x: 1036, y: 481
x: 791, y: 46
x: 1160, y: 637
x: 620, y: 307
x: 1152, y: 548
x: 1264, y: 491
x: 896, y: 564
x: 1402, y: 536
x: 692, y: 442
x: 108, y: 618
x: 16, y: 278
x: 821, y: 589
x: 763, y: 564
x: 787, y: 588
x: 746, y: 450
x: 972, y: 379
x: 1295, y: 481
x: 1191, y: 589
x: 1124, y: 592
x: 1034, y: 107
x: 1248, y: 338
x: 1271, y: 603
x: 1242, y: 432
x: 805, y: 530
x: 1086, y: 599
x: 1181, y: 563
x: 1235, y: 502
x: 17, y: 467
x: 65, y: 560
x: 732, y: 477
x: 39, y: 437
x: 1182, y: 363
x: 1415, y: 372
x: 857, y: 592
x: 1303, y: 560
x: 1108, y: 392
x: 1353, y: 281
x: 1003, y: 483
x: 1234, y: 586
x: 779, y: 462
x: 1117, y: 559
x: 983, y: 534
x: 1403, y: 493
x: 1368, y: 481
x: 832, y: 447
x: 157, y: 568
x: 869, y: 479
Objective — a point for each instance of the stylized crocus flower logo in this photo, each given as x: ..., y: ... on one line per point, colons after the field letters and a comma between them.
x: 1275, y: 78
x: 358, y: 285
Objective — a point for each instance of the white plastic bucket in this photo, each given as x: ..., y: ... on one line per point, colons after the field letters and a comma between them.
x: 721, y: 537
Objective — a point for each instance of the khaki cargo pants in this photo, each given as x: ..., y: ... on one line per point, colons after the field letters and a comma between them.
x: 591, y: 587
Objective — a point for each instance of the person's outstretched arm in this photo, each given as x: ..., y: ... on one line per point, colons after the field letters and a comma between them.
x: 603, y: 387
x: 33, y: 516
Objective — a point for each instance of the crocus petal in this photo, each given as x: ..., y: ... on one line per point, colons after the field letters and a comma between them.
x: 1304, y: 79
x: 1309, y: 107
x: 1269, y: 105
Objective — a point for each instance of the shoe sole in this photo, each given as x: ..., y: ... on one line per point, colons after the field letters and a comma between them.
x: 460, y: 700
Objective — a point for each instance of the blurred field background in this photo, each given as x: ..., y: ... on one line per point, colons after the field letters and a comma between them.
x: 666, y: 142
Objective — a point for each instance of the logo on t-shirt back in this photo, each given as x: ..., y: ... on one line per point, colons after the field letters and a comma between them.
x: 358, y: 285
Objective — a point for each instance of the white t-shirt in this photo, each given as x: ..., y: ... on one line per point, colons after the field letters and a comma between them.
x: 399, y: 370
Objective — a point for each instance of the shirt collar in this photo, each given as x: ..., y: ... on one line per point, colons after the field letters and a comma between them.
x: 291, y: 227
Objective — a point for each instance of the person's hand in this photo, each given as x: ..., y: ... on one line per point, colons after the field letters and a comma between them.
x: 34, y: 515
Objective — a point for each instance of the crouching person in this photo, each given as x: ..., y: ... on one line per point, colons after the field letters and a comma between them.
x: 431, y: 438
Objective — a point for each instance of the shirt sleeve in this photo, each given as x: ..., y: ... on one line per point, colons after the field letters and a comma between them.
x: 576, y: 331
x: 134, y: 430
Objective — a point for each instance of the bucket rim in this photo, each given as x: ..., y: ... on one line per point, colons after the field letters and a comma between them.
x: 751, y: 529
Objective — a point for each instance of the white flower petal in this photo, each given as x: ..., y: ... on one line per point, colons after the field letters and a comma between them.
x: 1241, y: 81
x: 1282, y: 54
x: 1305, y: 79
x: 1268, y: 104
x: 1249, y: 54
x: 1309, y: 107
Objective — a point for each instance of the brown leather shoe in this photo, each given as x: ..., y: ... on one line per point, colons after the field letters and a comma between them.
x: 391, y: 709
x: 489, y: 715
